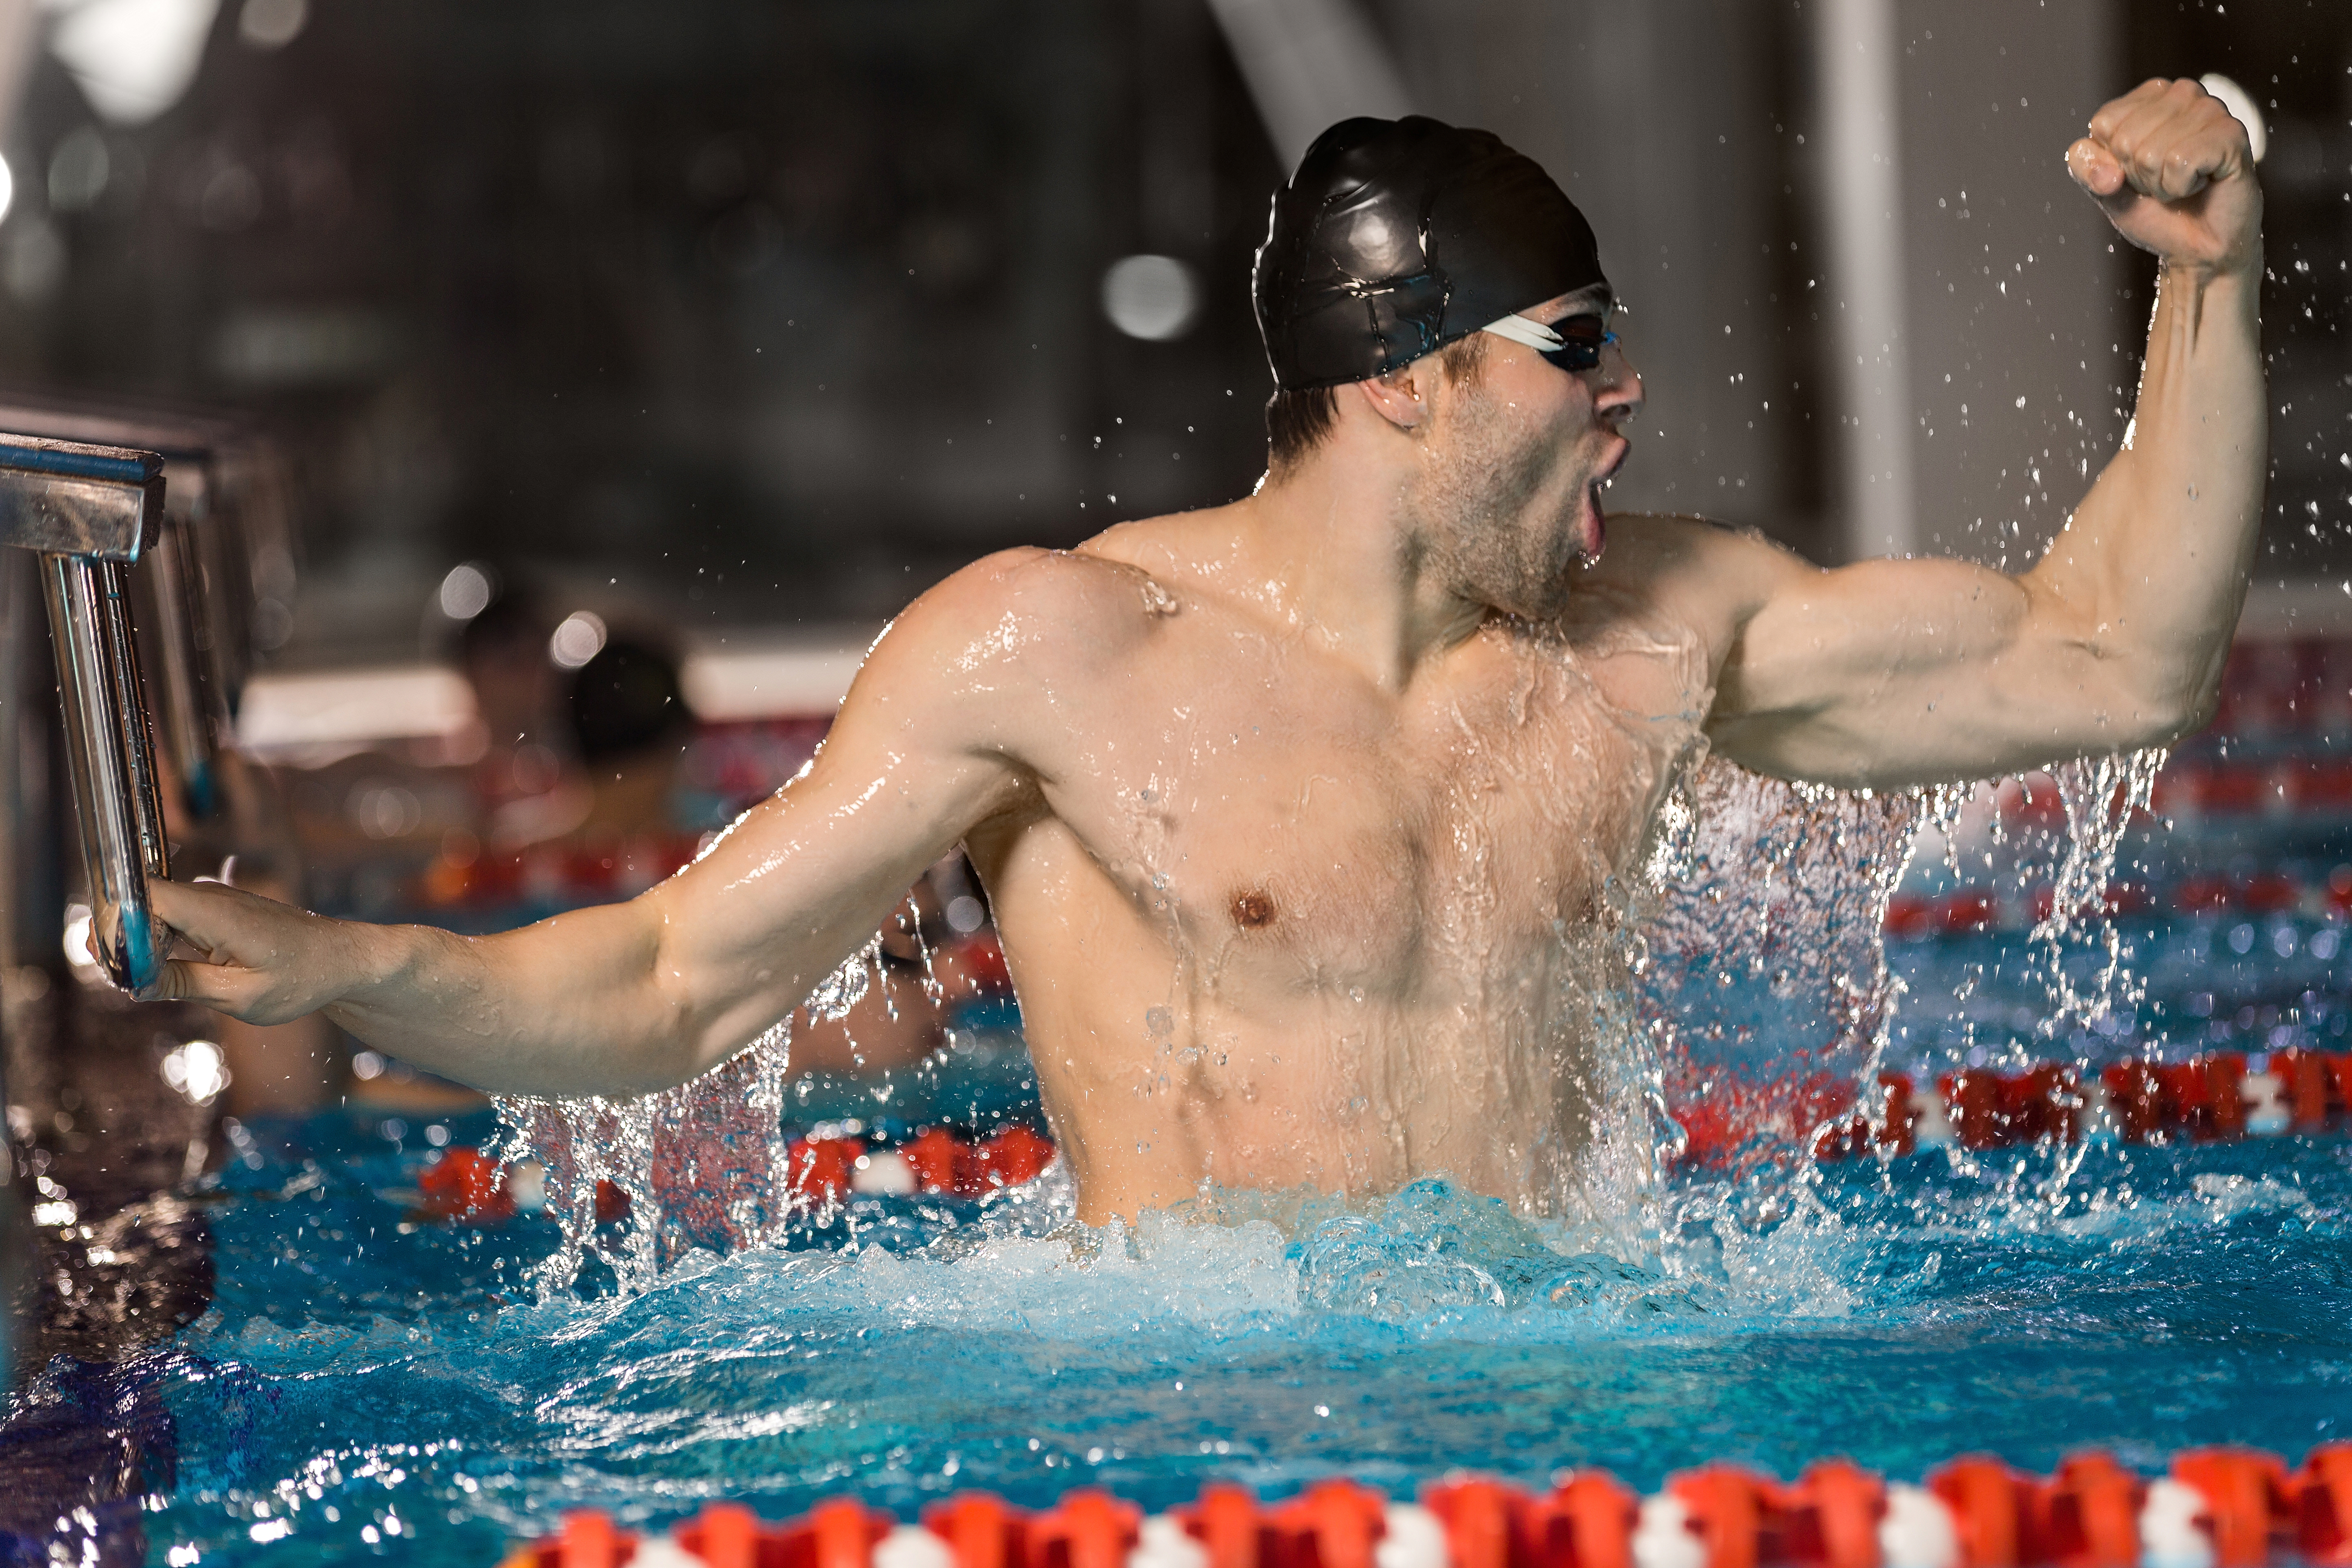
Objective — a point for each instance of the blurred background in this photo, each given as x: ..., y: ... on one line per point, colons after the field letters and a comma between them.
x: 756, y: 316
x: 621, y: 368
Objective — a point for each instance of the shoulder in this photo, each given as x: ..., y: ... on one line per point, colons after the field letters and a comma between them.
x: 1029, y: 610
x: 1712, y: 574
x: 1651, y: 543
x: 997, y: 662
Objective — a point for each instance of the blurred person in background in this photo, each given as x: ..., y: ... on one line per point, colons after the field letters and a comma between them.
x: 372, y: 821
x: 503, y: 653
x: 492, y: 783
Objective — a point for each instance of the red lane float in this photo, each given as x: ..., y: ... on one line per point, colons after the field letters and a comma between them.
x: 465, y: 1184
x: 2219, y: 1098
x: 1975, y: 907
x: 2218, y: 1507
x: 934, y: 1161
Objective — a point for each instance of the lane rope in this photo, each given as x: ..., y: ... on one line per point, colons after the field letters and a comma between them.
x: 2217, y: 1507
x: 2221, y: 1097
x: 466, y: 1186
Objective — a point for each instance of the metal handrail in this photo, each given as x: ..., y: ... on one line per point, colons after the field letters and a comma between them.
x: 194, y: 590
x: 91, y: 511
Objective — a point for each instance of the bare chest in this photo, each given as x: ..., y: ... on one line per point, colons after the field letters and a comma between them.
x: 1285, y: 834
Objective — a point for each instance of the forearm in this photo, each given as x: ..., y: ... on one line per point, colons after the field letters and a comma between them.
x: 575, y: 1004
x: 617, y: 999
x: 2150, y: 573
x: 627, y: 998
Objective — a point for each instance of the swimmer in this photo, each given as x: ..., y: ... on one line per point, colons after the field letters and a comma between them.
x: 1303, y: 817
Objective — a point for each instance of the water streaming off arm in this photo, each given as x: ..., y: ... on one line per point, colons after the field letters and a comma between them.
x: 706, y: 1164
x: 1765, y: 982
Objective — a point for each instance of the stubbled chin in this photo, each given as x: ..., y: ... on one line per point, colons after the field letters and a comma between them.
x: 1593, y: 534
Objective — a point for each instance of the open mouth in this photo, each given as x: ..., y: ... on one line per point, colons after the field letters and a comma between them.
x: 1594, y: 529
x: 1591, y: 526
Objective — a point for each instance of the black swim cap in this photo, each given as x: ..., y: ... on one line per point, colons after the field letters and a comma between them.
x: 1397, y: 236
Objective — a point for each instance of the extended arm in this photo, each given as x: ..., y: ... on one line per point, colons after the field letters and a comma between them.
x: 1895, y: 672
x: 630, y: 998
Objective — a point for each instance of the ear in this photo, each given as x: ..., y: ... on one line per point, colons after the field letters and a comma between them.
x: 1401, y: 397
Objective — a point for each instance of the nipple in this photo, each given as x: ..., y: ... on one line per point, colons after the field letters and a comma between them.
x: 1157, y: 600
x: 1252, y: 909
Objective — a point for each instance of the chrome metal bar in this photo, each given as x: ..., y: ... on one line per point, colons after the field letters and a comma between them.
x: 171, y: 617
x: 225, y: 481
x: 174, y: 587
x: 85, y: 629
x: 90, y: 510
x: 136, y: 732
x: 225, y: 633
x: 252, y: 560
x: 70, y: 498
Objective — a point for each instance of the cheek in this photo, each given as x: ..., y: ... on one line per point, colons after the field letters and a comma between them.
x: 1573, y: 414
x: 1542, y: 438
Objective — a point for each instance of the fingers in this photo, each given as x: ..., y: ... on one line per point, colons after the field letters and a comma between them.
x: 223, y: 989
x: 2095, y: 169
x: 226, y: 957
x: 210, y: 916
x: 2169, y: 139
x: 2148, y: 141
x: 2111, y: 114
x: 254, y: 996
x: 247, y: 955
x: 182, y: 905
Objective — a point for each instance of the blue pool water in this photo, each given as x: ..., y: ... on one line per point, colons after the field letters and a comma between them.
x: 361, y: 1385
x: 350, y: 1375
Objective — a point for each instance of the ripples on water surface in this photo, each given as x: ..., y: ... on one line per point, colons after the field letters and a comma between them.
x: 349, y: 1375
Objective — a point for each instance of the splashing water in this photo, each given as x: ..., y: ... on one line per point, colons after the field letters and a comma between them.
x: 705, y: 1165
x: 1767, y: 989
x: 2054, y: 839
x: 1902, y: 1314
x: 1754, y: 1004
x: 2101, y: 797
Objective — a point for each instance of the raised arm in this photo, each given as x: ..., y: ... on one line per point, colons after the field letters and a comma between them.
x: 1896, y: 672
x: 629, y: 997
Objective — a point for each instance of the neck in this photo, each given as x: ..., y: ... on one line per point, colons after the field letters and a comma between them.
x: 1337, y: 537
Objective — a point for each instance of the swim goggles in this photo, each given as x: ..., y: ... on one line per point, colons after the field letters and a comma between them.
x: 1573, y: 343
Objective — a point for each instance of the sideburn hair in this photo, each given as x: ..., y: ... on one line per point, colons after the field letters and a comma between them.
x: 1298, y: 422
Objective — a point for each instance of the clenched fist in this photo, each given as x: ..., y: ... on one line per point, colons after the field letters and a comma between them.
x: 2176, y: 175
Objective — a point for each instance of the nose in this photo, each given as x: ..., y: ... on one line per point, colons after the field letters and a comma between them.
x: 1617, y: 386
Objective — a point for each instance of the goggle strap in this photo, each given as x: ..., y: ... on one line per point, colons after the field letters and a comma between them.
x: 1519, y: 329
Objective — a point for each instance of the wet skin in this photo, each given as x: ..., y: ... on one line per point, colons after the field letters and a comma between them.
x: 1305, y: 818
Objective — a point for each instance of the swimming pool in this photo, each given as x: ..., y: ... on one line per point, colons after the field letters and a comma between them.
x: 354, y: 1386
x: 366, y: 1384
